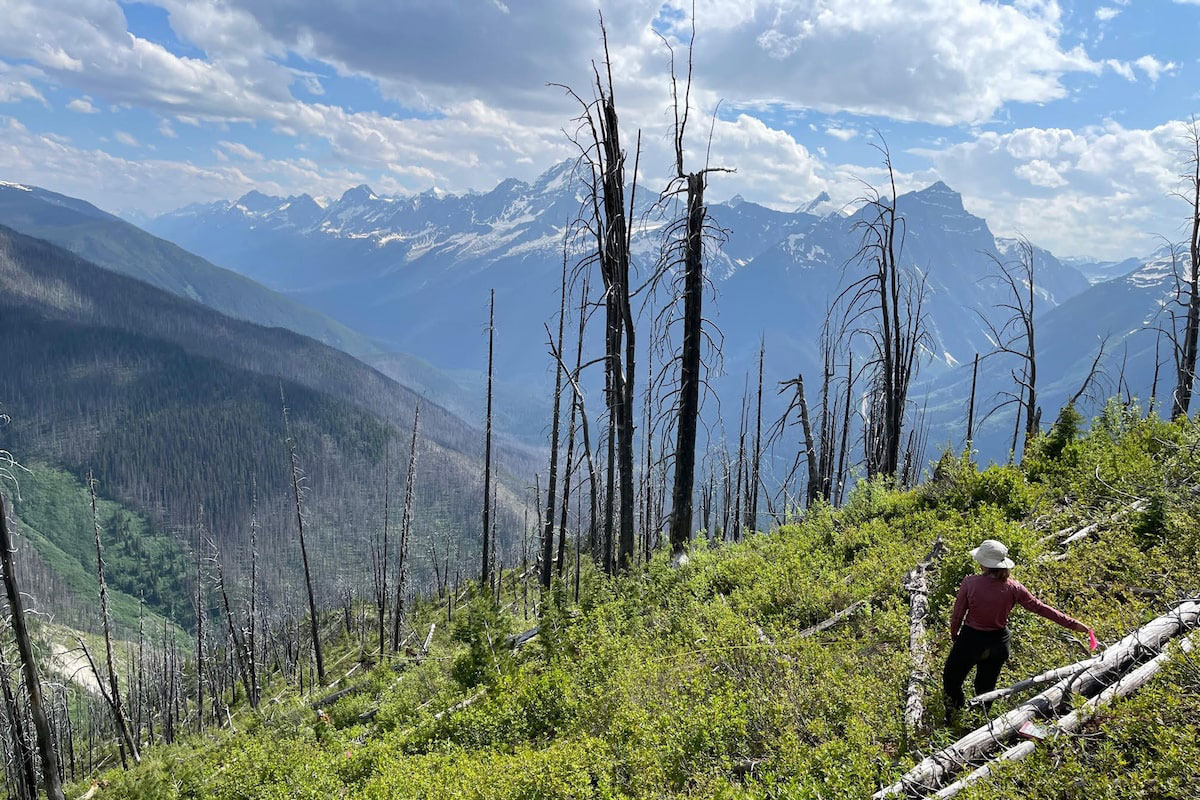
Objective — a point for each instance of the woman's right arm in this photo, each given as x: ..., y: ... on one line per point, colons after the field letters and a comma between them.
x: 1031, y: 603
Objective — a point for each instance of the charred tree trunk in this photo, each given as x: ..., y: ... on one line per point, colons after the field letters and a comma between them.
x: 294, y: 460
x: 756, y: 471
x: 237, y: 643
x: 37, y: 709
x: 971, y: 406
x: 896, y: 300
x: 689, y: 368
x: 485, y: 571
x: 611, y: 226
x: 1186, y: 360
x: 405, y: 531
x: 552, y: 479
x: 24, y: 776
x: 113, y: 683
x: 252, y: 622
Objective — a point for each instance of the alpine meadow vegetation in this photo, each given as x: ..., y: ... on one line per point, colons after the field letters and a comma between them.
x: 701, y: 679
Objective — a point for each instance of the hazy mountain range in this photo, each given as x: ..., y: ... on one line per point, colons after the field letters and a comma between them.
x: 414, y: 273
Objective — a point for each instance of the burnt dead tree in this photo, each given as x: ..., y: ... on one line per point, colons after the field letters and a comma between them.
x: 114, y: 688
x: 380, y: 554
x: 1187, y: 292
x: 552, y: 478
x: 887, y: 308
x: 1016, y: 336
x: 237, y: 642
x: 406, y: 530
x: 689, y: 253
x: 297, y: 475
x: 572, y: 377
x: 823, y: 453
x: 607, y: 220
x: 47, y: 749
x: 485, y: 569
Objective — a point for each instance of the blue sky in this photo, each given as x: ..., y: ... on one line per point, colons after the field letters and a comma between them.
x: 1058, y: 120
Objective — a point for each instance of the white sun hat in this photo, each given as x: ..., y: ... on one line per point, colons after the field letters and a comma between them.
x: 993, y: 555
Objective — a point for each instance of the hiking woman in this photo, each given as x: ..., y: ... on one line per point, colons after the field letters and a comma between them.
x: 979, y: 623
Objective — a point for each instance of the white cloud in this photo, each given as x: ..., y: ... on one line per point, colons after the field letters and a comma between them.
x: 1122, y: 68
x: 15, y: 85
x: 126, y: 139
x: 1106, y: 13
x: 1040, y: 173
x: 239, y: 150
x: 481, y: 73
x: 82, y: 105
x: 1103, y: 190
x: 151, y: 185
x: 166, y: 130
x: 941, y: 61
x: 1154, y: 68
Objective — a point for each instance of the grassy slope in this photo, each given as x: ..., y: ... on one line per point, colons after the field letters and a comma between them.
x: 660, y: 687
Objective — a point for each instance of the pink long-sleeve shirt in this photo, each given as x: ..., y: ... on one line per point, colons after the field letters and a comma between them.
x: 985, y: 603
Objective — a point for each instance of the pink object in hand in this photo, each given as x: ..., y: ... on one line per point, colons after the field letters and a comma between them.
x: 1092, y: 642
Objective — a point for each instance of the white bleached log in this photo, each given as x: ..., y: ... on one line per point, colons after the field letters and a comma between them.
x: 1130, y: 683
x: 928, y: 775
x: 917, y: 583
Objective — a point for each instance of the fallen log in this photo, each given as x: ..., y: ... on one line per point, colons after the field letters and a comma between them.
x: 519, y: 640
x: 917, y: 584
x: 1071, y: 535
x: 1128, y: 684
x: 1048, y: 676
x: 825, y: 625
x: 928, y: 775
x: 333, y: 697
x: 428, y: 641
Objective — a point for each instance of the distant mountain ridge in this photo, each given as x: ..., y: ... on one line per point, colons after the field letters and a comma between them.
x: 407, y: 270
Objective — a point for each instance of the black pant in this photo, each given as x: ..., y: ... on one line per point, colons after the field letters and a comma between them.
x: 985, y: 650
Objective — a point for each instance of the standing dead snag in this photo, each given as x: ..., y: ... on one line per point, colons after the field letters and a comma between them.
x: 611, y: 227
x: 824, y: 461
x: 23, y: 776
x: 691, y: 186
x: 405, y: 531
x: 114, y: 685
x: 379, y: 556
x: 297, y: 477
x: 485, y: 570
x: 1187, y: 292
x: 238, y: 646
x: 971, y: 405
x: 1016, y: 336
x: 552, y: 479
x: 33, y: 687
x: 895, y: 298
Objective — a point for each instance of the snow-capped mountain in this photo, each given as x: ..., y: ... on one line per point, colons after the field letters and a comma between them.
x: 415, y: 272
x: 412, y: 270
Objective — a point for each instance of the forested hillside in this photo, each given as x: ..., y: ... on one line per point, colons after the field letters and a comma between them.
x: 110, y: 242
x: 114, y: 244
x: 719, y: 678
x: 177, y: 410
